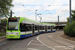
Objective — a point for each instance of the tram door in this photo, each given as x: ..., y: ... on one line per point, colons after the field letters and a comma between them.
x: 51, y: 28
x: 38, y: 28
x: 33, y: 29
x: 45, y: 28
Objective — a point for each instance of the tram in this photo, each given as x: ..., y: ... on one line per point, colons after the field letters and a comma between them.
x: 21, y: 27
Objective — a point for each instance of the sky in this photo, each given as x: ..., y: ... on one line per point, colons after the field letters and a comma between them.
x: 49, y: 10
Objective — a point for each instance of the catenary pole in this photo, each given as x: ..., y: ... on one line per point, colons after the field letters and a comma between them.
x: 10, y: 13
x: 70, y: 10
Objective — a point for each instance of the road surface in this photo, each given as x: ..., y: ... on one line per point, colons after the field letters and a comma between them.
x: 46, y: 41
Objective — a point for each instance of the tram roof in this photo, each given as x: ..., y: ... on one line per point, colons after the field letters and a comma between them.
x: 24, y: 18
x: 48, y: 24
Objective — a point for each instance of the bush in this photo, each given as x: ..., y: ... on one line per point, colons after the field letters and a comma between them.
x: 70, y: 29
x: 4, y: 21
x: 2, y: 34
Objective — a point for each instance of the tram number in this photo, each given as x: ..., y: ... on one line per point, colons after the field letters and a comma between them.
x: 11, y: 33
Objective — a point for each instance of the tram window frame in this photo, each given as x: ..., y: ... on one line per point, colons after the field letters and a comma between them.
x: 43, y: 27
x: 49, y: 27
x: 24, y: 28
x: 29, y: 28
x: 40, y: 27
x: 36, y: 27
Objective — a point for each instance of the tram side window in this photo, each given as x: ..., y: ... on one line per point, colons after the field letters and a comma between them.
x: 25, y: 27
x: 22, y: 27
x: 36, y: 27
x: 28, y: 27
x: 40, y: 27
x: 48, y: 27
x: 43, y: 27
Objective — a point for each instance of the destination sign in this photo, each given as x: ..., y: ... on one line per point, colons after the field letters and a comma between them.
x: 12, y: 18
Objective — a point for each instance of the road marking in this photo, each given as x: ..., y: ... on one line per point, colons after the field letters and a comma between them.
x: 68, y: 47
x: 32, y: 49
x: 2, y: 43
x: 44, y: 44
x: 36, y: 41
x: 29, y: 42
x: 37, y: 44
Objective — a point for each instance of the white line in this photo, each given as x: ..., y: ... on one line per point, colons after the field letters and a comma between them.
x: 44, y: 44
x: 2, y: 43
x: 36, y: 41
x: 29, y: 42
x: 37, y: 44
x: 32, y: 49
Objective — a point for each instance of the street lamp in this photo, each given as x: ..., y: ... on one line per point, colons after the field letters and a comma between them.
x: 36, y: 15
x: 40, y: 17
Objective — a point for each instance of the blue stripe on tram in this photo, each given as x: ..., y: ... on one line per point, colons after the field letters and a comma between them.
x: 26, y: 35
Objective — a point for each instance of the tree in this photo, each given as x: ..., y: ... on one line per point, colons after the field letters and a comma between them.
x: 5, y: 6
x: 14, y: 16
x: 72, y: 16
x: 69, y: 29
x: 4, y: 21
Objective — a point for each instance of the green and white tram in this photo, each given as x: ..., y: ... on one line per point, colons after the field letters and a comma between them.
x: 21, y: 27
x: 49, y: 27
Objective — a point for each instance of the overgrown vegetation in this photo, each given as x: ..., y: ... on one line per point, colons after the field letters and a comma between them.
x: 5, y: 6
x: 2, y: 34
x: 4, y: 22
x: 69, y: 29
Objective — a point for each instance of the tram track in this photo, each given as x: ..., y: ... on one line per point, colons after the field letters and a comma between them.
x: 58, y: 42
x: 20, y: 41
x: 54, y: 41
x: 62, y: 40
x: 8, y: 44
x: 13, y: 45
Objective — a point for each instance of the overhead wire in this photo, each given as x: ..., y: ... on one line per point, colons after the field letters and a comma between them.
x: 42, y: 5
x: 51, y: 4
x: 21, y: 3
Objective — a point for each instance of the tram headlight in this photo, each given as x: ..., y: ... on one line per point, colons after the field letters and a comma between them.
x: 7, y: 33
x: 17, y: 33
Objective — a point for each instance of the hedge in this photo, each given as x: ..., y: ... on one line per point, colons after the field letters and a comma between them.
x: 70, y: 29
